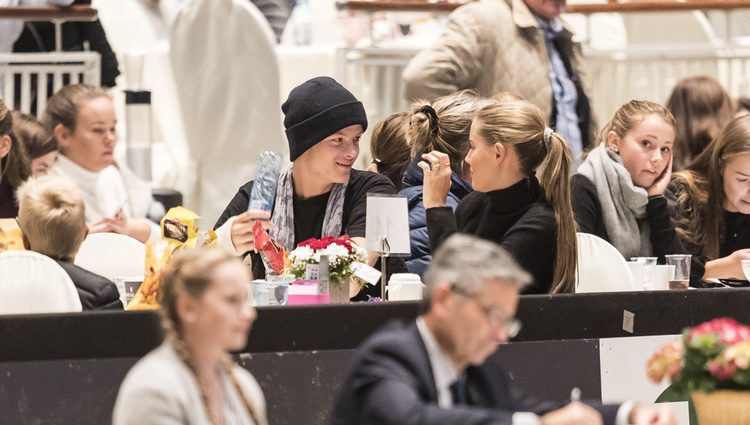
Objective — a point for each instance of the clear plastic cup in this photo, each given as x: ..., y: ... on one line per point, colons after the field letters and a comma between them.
x: 681, y: 263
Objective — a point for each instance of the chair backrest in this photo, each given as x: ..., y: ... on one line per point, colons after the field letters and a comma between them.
x: 601, y: 267
x: 33, y: 283
x: 230, y: 104
x: 35, y: 70
x: 112, y: 255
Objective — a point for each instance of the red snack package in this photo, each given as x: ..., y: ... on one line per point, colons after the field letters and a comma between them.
x: 270, y: 250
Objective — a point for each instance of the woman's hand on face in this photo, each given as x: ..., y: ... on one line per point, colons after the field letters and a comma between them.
x: 242, y: 229
x: 661, y: 182
x: 437, y: 178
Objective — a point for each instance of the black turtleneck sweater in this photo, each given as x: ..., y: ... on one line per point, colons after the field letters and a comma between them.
x: 518, y: 218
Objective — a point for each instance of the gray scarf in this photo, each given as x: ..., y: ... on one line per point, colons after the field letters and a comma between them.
x: 623, y: 203
x: 283, y: 211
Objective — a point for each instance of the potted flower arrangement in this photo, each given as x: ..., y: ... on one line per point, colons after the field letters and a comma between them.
x: 711, y: 366
x: 342, y: 254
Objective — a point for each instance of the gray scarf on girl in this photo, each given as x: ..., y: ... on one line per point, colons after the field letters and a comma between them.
x: 283, y: 211
x: 623, y: 203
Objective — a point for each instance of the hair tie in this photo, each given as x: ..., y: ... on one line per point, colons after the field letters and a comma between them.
x: 432, y: 115
x: 548, y: 138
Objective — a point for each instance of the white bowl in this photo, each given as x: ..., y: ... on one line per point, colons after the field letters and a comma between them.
x: 746, y: 268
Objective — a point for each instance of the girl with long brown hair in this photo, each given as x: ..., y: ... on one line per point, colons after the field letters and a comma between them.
x: 618, y: 191
x: 191, y: 379
x: 711, y: 202
x: 520, y: 172
x: 41, y: 146
x: 388, y: 148
x: 701, y: 108
x: 14, y: 165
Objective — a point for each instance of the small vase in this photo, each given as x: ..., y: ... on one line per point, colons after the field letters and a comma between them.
x: 722, y: 407
x: 340, y: 292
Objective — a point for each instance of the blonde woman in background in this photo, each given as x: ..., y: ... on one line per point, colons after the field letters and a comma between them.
x: 618, y: 193
x: 191, y: 379
x: 82, y: 119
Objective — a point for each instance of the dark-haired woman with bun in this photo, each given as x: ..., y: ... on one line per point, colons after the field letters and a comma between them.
x: 443, y: 126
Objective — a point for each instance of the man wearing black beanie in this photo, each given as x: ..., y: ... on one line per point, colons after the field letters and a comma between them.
x: 320, y: 194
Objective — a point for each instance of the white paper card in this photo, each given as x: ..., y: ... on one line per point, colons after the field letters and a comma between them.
x: 387, y: 217
x: 366, y: 273
x: 628, y: 321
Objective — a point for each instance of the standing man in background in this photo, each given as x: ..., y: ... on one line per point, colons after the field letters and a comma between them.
x: 517, y: 46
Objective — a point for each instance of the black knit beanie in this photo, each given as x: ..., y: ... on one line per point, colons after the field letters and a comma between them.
x: 317, y: 109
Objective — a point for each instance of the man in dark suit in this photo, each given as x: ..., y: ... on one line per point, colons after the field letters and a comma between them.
x: 434, y: 371
x: 52, y: 219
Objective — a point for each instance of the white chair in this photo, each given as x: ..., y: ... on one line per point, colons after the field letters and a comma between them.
x: 227, y: 77
x: 32, y: 283
x: 601, y: 267
x: 112, y: 255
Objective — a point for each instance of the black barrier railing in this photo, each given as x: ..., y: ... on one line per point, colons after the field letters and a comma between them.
x: 340, y: 327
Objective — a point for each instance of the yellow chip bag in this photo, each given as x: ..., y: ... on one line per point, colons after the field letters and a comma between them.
x: 158, y: 254
x: 10, y: 235
x: 179, y: 228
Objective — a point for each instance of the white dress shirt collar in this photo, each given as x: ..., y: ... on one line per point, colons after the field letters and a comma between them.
x: 443, y: 371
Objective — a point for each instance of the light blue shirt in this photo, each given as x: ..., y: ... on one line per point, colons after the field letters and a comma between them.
x: 563, y: 90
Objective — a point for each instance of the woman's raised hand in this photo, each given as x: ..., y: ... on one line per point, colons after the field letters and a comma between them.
x: 436, y: 167
x: 661, y: 182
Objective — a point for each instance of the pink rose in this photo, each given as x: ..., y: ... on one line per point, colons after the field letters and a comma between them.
x: 727, y: 329
x: 722, y: 371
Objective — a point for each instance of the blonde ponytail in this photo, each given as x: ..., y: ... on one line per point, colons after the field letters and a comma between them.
x: 555, y: 180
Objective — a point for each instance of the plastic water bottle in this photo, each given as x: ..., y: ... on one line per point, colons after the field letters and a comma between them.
x: 302, y: 23
x: 263, y: 194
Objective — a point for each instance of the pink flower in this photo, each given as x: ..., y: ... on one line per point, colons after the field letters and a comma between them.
x: 666, y: 362
x: 739, y: 354
x: 727, y: 329
x: 721, y: 369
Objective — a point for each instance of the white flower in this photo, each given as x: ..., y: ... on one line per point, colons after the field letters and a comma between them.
x: 302, y: 253
x: 337, y: 250
x: 359, y: 250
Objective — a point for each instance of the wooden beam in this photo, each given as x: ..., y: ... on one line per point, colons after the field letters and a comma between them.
x: 584, y: 8
x: 49, y: 13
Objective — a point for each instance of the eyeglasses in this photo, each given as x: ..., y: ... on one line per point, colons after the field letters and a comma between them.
x: 512, y: 325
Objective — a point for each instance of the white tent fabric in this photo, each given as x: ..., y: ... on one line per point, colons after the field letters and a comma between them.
x: 601, y: 267
x: 112, y: 255
x: 227, y: 77
x: 32, y: 283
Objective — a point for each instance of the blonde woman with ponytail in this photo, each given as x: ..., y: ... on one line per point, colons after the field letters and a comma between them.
x: 519, y: 169
x: 443, y: 126
x: 618, y: 193
x: 191, y: 379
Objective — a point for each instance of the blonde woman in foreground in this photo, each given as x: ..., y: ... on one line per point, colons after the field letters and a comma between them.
x: 191, y: 379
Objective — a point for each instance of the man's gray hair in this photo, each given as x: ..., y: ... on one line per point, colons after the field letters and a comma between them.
x: 467, y: 261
